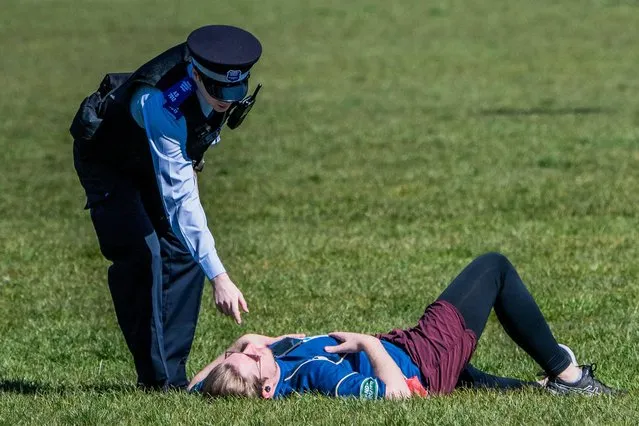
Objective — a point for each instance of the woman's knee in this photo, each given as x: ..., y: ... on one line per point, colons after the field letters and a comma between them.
x: 494, y: 260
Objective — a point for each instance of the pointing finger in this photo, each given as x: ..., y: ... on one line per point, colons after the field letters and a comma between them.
x: 243, y: 303
x: 236, y: 312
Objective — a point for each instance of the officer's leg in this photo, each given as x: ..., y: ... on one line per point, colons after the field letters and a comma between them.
x: 176, y: 300
x: 128, y: 239
x: 183, y: 281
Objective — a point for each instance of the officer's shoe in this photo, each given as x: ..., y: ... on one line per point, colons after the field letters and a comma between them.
x: 587, y: 385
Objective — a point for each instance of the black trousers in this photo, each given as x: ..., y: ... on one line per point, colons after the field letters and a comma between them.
x: 155, y: 284
x: 491, y: 282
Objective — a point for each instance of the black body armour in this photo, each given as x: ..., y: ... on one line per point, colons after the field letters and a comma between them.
x: 112, y: 152
x: 106, y: 133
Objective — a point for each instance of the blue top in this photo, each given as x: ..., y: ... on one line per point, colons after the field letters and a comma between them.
x: 175, y: 176
x: 306, y: 367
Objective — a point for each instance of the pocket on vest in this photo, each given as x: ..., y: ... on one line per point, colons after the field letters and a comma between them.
x: 86, y: 120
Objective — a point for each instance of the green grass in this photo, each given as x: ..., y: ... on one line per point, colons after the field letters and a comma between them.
x: 391, y: 144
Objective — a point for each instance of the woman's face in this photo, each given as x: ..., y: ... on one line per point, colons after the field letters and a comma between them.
x: 253, y: 361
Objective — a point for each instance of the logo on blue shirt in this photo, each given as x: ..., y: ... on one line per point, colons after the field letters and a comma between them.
x: 368, y: 389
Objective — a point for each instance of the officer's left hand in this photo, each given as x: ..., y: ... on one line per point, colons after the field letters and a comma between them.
x: 228, y: 298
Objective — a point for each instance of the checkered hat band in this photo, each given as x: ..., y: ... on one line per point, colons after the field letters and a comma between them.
x: 236, y: 76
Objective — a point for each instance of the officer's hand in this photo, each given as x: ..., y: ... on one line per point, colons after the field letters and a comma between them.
x: 228, y: 298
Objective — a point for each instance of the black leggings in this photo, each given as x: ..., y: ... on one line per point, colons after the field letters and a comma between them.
x: 491, y: 281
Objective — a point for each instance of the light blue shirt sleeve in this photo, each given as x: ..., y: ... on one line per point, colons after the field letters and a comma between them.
x: 176, y: 178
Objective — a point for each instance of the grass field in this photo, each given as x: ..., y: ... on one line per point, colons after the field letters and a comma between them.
x: 392, y: 143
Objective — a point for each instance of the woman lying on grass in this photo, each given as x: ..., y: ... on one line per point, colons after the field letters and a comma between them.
x: 431, y: 357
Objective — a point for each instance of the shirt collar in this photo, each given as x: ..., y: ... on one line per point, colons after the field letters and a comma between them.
x: 206, y: 108
x: 282, y: 388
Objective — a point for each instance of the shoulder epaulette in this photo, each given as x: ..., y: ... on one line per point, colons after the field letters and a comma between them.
x: 175, y: 96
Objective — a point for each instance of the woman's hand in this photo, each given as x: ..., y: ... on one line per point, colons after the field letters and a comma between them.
x: 351, y: 342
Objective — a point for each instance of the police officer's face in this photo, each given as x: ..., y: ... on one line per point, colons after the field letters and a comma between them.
x: 219, y: 106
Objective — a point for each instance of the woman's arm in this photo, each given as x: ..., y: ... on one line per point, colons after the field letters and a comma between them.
x: 383, y: 365
x: 386, y: 369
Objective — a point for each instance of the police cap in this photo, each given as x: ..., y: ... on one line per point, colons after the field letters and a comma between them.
x: 224, y: 56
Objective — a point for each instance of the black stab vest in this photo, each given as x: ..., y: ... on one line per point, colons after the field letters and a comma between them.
x: 106, y: 133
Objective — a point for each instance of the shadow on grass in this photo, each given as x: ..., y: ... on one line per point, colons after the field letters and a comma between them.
x: 32, y: 388
x: 544, y: 111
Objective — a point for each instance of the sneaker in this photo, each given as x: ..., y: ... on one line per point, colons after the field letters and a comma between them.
x: 587, y: 385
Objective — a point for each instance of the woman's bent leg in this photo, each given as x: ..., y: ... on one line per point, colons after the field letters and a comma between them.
x: 491, y: 281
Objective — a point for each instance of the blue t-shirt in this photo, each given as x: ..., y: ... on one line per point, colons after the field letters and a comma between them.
x: 306, y: 367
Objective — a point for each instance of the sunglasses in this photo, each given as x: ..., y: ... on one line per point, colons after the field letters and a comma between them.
x: 225, y: 92
x: 254, y: 357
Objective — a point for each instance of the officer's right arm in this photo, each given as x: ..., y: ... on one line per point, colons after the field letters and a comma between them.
x: 176, y: 178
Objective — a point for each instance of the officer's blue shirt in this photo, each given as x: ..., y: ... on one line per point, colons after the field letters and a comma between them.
x: 306, y: 367
x: 175, y: 175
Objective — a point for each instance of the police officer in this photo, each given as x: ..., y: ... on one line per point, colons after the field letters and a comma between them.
x: 138, y: 142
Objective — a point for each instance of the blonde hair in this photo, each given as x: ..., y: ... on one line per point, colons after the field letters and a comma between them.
x: 226, y: 380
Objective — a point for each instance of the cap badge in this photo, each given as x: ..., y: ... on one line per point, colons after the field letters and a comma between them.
x: 233, y: 75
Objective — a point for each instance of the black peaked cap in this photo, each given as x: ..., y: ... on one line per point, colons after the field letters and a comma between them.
x: 220, y: 48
